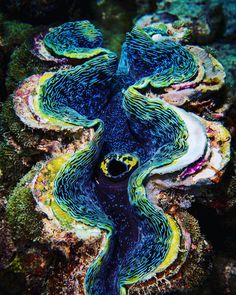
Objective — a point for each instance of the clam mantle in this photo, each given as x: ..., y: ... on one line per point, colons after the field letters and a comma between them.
x: 136, y: 130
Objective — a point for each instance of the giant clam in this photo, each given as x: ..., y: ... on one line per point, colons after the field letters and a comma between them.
x: 66, y: 90
x: 34, y: 110
x: 69, y: 42
x: 152, y: 59
x: 134, y: 134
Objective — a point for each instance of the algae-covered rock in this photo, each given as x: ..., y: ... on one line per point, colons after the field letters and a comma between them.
x: 15, y: 129
x: 9, y: 160
x: 15, y: 33
x: 145, y: 6
x: 15, y: 45
x: 34, y: 140
x: 16, y: 72
x: 24, y: 221
x: 11, y: 156
x: 2, y: 57
x: 7, y: 247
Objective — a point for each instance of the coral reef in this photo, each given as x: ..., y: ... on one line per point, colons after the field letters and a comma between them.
x: 130, y: 169
x: 15, y: 44
x: 12, y: 35
x: 22, y: 147
x: 16, y: 74
x: 15, y: 33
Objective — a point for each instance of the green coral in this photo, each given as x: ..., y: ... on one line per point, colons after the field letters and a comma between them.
x: 25, y: 222
x: 16, y: 72
x: 17, y: 40
x: 9, y: 175
x: 15, y: 33
x: 17, y: 148
x: 16, y: 128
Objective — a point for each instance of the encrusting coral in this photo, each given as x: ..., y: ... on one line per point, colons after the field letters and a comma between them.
x: 95, y: 189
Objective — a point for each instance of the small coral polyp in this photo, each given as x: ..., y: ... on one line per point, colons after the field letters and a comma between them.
x: 100, y: 187
x: 70, y: 41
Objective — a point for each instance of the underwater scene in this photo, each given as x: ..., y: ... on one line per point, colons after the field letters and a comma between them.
x: 117, y: 147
